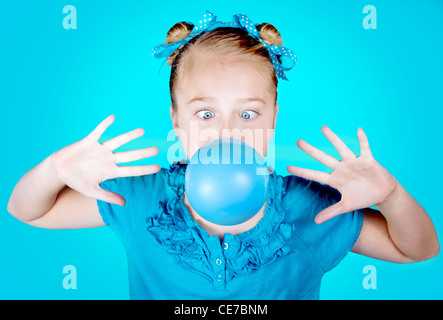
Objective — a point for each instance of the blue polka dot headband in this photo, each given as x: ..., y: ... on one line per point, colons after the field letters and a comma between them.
x: 209, y: 22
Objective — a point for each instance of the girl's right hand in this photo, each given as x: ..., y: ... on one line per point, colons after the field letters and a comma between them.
x: 85, y: 164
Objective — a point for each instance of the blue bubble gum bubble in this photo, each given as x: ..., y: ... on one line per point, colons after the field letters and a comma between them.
x: 226, y: 182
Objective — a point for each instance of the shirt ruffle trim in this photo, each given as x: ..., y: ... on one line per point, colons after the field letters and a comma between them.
x: 174, y: 228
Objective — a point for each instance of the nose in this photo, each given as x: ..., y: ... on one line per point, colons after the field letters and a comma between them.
x: 228, y: 128
x: 233, y: 129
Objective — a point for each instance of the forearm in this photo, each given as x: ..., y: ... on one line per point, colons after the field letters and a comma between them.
x: 36, y: 192
x: 409, y: 225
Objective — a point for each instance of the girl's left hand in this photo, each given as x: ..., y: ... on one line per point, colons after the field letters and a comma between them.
x: 362, y: 181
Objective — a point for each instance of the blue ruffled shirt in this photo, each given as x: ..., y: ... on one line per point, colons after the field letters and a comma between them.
x: 170, y: 256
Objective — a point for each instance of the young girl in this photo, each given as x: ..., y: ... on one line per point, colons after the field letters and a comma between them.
x: 224, y: 77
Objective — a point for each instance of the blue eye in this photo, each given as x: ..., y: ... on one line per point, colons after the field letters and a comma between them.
x: 248, y: 115
x: 205, y: 114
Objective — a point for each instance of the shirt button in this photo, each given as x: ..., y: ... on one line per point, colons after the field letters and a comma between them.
x: 225, y: 245
x: 219, y: 277
x: 219, y: 262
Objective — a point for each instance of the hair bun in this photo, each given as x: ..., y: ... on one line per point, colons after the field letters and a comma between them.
x: 178, y: 32
x: 269, y: 34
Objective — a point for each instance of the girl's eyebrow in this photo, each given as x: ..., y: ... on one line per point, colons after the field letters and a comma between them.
x: 242, y: 100
x: 252, y: 99
x: 204, y: 99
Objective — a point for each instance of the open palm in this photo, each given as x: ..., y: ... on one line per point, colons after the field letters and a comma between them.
x: 362, y: 181
x: 86, y: 163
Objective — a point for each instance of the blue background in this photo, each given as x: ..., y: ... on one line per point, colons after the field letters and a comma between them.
x: 56, y: 85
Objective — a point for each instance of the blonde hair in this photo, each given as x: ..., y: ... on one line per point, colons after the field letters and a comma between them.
x: 226, y: 41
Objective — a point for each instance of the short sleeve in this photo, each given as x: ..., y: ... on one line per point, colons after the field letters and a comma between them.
x: 140, y: 195
x: 330, y: 241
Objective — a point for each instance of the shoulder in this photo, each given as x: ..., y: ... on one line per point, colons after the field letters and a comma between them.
x: 301, y: 192
x: 147, y: 190
x: 142, y: 195
x: 135, y: 185
x: 330, y: 241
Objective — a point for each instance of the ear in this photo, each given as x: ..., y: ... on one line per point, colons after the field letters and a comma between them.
x: 276, y: 113
x: 173, y: 117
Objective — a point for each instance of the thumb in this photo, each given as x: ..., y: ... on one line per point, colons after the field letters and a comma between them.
x: 110, y: 197
x: 330, y: 212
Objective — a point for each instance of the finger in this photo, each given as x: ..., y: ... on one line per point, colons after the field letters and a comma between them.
x: 317, y: 154
x: 120, y: 140
x: 132, y: 171
x: 133, y: 155
x: 110, y: 197
x: 338, y: 144
x: 101, y: 128
x: 319, y: 176
x: 330, y: 212
x: 365, y: 151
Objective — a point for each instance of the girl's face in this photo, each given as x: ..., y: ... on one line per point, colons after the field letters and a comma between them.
x: 222, y: 97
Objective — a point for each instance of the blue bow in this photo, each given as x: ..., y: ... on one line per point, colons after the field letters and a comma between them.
x: 209, y: 22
